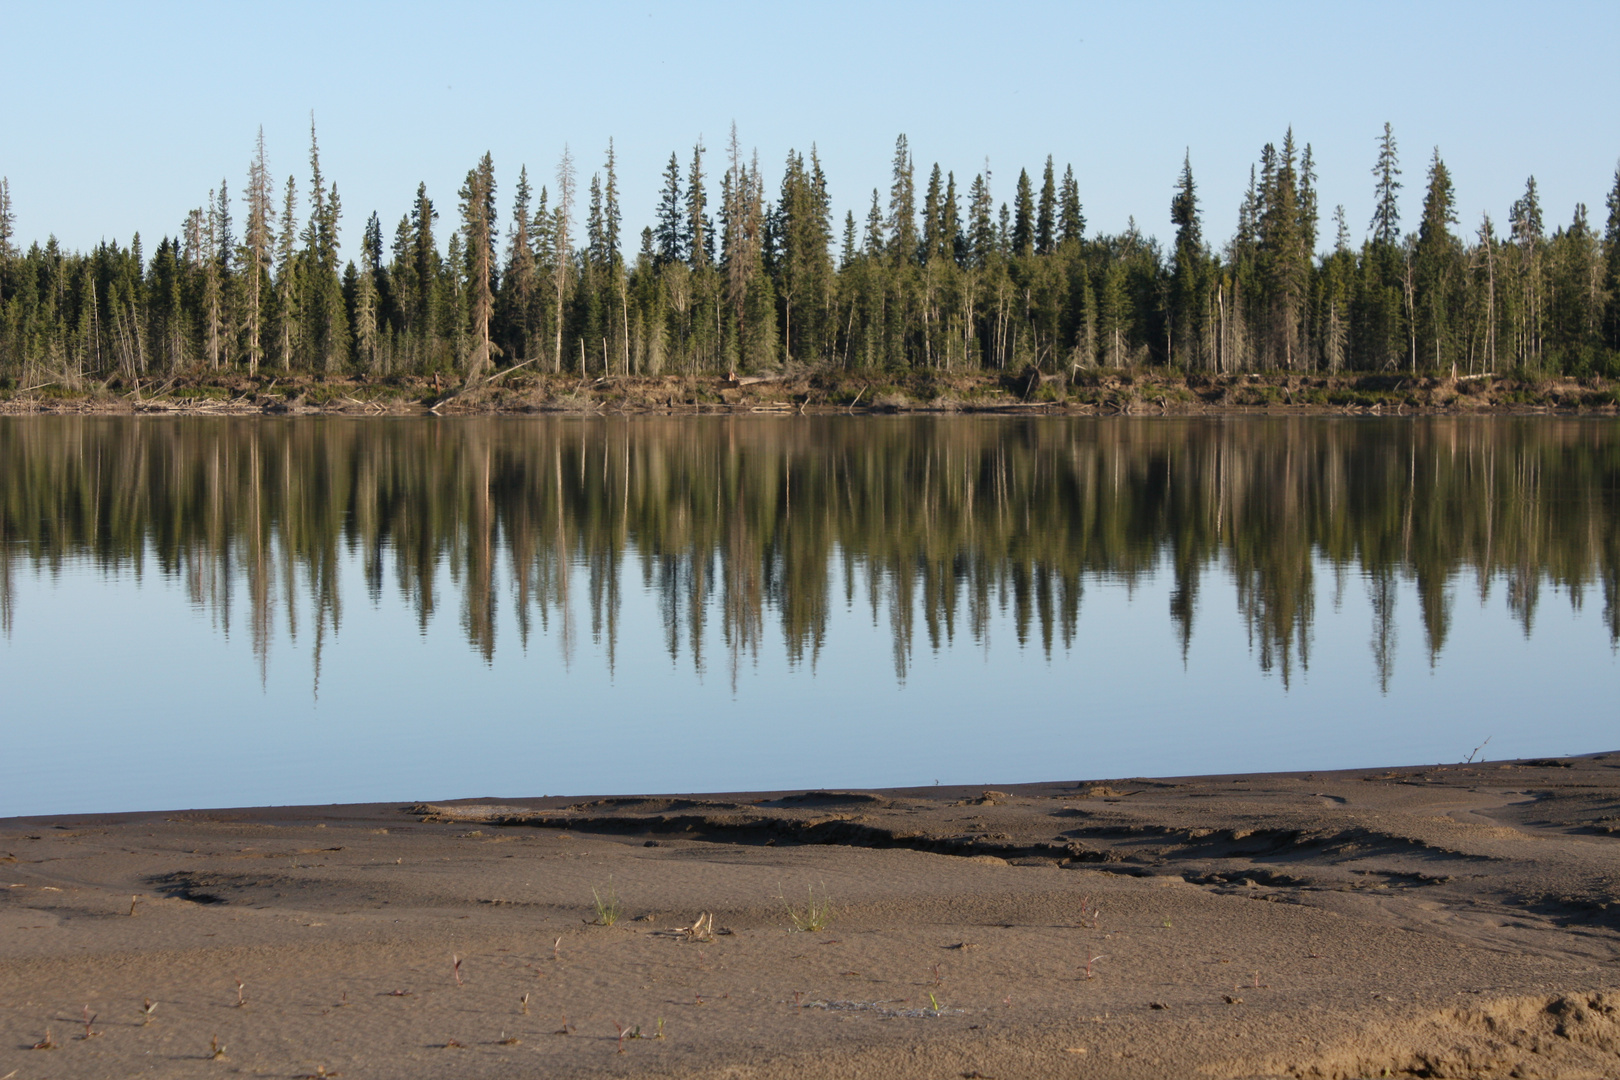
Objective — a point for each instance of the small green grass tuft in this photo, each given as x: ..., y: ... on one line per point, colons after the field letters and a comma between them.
x: 606, y: 903
x: 816, y: 914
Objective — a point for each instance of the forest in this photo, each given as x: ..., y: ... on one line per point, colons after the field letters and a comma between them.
x: 743, y: 275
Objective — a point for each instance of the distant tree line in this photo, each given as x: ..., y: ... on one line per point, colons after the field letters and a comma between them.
x: 948, y: 280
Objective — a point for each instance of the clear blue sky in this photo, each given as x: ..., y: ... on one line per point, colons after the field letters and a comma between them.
x: 119, y: 117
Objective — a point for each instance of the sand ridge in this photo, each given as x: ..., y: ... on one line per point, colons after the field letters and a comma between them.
x: 1431, y: 921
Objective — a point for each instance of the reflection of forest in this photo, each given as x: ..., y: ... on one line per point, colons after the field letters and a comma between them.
x: 941, y: 522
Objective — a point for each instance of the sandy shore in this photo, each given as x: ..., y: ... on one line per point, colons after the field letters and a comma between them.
x: 1456, y: 921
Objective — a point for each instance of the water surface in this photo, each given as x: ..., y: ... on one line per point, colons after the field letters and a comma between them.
x: 210, y: 612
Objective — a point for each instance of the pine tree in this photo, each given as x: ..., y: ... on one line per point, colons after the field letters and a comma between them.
x: 366, y: 353
x: 669, y: 235
x: 1529, y: 238
x: 874, y: 238
x: 1435, y: 266
x: 321, y: 288
x: 1046, y: 212
x: 1285, y: 262
x: 951, y: 239
x: 1611, y: 244
x: 287, y: 275
x: 478, y: 231
x: 424, y: 265
x: 8, y: 224
x: 515, y: 302
x: 1386, y: 219
x: 1023, y: 231
x: 902, y: 220
x: 981, y: 225
x: 562, y: 256
x: 257, y: 243
x: 1071, y: 219
x: 1187, y: 282
x: 699, y: 230
x: 934, y: 244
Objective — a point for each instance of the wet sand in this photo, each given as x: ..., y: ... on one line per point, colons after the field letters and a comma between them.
x: 1449, y: 921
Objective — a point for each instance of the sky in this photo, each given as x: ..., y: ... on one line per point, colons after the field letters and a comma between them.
x: 121, y: 117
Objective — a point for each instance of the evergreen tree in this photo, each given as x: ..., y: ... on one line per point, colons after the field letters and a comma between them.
x: 669, y: 235
x: 478, y: 232
x: 902, y: 220
x: 1187, y: 283
x: 1611, y: 244
x: 366, y: 352
x: 699, y: 229
x: 1284, y: 259
x: 874, y: 242
x: 1529, y: 238
x: 1071, y: 219
x: 424, y: 256
x: 1023, y: 231
x: 561, y: 253
x: 287, y: 275
x: 322, y: 289
x: 951, y: 238
x: 516, y: 301
x: 257, y: 244
x: 8, y: 223
x: 1386, y: 219
x: 934, y: 243
x: 612, y: 219
x: 981, y: 225
x: 1436, y: 266
x: 1046, y: 212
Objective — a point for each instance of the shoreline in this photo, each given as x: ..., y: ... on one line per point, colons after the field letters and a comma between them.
x: 805, y: 392
x: 1457, y: 920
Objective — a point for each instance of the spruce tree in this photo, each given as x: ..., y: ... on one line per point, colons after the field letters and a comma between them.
x: 933, y: 241
x: 874, y: 241
x: 1071, y: 219
x: 1386, y: 219
x: 323, y: 313
x: 699, y: 229
x: 669, y: 235
x: 1046, y: 212
x: 902, y: 220
x: 561, y: 227
x: 1187, y: 282
x: 287, y: 275
x: 1529, y: 238
x: 366, y: 352
x: 8, y: 222
x: 1611, y: 276
x: 981, y: 223
x: 257, y: 244
x: 1023, y: 231
x: 1435, y: 266
x: 478, y: 232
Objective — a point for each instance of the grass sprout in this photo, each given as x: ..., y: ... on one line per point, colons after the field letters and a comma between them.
x: 606, y: 903
x: 816, y: 914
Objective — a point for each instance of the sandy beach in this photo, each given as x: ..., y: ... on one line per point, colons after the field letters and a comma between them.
x: 1440, y: 921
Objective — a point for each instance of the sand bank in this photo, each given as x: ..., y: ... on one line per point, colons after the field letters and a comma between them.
x: 1454, y: 921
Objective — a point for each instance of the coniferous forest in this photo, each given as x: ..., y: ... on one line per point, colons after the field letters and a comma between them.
x: 741, y: 271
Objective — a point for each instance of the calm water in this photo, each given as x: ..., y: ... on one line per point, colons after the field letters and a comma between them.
x: 202, y: 612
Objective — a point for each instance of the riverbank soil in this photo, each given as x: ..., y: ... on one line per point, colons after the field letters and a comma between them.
x: 1456, y: 921
x: 1083, y: 392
